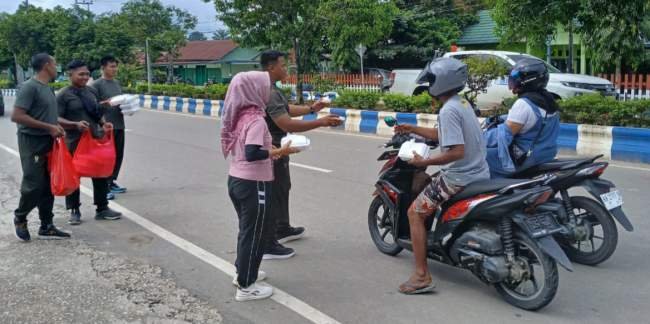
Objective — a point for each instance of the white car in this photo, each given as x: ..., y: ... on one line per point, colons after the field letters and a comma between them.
x: 563, y: 85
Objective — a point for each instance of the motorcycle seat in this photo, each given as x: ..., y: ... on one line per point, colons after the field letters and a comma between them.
x: 483, y: 186
x: 556, y: 165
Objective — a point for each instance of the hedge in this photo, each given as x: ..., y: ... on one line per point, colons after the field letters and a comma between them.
x: 591, y: 109
x: 607, y: 111
x: 213, y: 91
x: 6, y: 84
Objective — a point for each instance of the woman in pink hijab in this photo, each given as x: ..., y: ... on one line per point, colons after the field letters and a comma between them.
x: 246, y: 139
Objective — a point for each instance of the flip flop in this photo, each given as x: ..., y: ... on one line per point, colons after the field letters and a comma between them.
x: 409, y: 288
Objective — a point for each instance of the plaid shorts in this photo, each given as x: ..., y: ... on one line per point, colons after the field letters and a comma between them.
x: 433, y: 195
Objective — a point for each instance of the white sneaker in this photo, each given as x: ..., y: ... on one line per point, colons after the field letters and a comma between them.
x: 253, y: 292
x: 261, y: 275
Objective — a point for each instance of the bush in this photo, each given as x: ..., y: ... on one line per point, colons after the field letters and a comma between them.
x: 214, y: 91
x: 598, y: 110
x: 59, y: 85
x: 402, y: 103
x: 6, y: 84
x: 358, y: 99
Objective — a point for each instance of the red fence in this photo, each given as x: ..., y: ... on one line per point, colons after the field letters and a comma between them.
x: 342, y: 79
x: 630, y: 86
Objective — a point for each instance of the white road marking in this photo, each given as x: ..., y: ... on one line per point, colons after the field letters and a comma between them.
x: 309, y: 167
x: 305, y: 310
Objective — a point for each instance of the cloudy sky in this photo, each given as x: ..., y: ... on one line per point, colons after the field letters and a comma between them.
x: 204, y: 12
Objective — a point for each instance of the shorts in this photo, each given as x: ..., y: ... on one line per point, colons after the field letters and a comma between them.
x: 434, y: 194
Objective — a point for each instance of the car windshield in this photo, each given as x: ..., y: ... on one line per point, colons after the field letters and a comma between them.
x: 517, y: 58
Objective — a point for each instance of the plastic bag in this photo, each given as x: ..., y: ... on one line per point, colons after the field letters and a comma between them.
x: 95, y: 158
x: 64, y: 179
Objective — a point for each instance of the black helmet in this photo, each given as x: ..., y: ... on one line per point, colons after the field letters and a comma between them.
x: 528, y: 74
x: 443, y: 75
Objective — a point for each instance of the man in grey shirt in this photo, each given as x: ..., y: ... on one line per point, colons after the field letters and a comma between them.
x: 279, y: 120
x: 107, y: 87
x: 462, y: 155
x: 36, y: 117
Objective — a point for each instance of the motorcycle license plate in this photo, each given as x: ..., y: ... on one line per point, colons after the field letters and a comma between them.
x: 542, y: 224
x: 612, y: 199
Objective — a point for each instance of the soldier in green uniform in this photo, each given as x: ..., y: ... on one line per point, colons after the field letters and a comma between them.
x: 107, y: 87
x: 79, y: 111
x: 36, y: 117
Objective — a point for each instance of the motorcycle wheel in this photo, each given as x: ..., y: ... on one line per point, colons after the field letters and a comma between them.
x: 542, y: 288
x: 604, y: 231
x: 380, y: 226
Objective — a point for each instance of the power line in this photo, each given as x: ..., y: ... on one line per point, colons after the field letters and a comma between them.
x: 86, y: 3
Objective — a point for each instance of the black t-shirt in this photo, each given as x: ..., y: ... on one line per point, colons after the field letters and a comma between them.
x: 71, y: 108
x: 39, y: 102
x: 278, y: 105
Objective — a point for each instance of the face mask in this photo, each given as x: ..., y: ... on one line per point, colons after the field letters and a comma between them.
x: 278, y: 84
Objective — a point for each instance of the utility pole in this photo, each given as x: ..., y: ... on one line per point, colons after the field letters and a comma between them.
x: 146, y: 49
x: 86, y: 3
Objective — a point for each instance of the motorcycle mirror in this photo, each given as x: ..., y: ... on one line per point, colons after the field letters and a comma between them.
x: 390, y: 121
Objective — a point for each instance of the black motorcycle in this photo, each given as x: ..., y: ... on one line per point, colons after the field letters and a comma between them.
x: 590, y: 235
x: 502, y: 231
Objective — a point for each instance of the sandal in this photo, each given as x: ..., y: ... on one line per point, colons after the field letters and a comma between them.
x: 411, y: 288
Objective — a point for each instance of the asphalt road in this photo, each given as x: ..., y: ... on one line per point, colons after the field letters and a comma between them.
x: 176, y: 178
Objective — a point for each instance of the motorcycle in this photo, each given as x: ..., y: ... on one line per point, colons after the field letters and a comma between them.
x: 590, y: 235
x: 502, y: 231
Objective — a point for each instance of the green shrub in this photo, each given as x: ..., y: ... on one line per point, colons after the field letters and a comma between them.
x: 358, y: 99
x: 6, y: 84
x: 421, y: 103
x: 216, y: 91
x: 59, y: 85
x: 589, y: 109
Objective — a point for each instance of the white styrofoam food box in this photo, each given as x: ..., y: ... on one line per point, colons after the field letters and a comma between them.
x: 407, y: 149
x: 300, y: 142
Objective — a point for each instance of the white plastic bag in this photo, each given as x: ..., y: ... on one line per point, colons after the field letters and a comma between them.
x: 300, y: 142
x: 407, y: 149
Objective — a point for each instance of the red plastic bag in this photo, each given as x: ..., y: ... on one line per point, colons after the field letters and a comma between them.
x: 95, y: 158
x: 64, y: 179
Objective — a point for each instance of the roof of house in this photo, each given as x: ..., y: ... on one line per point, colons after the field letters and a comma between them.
x: 481, y: 32
x: 241, y: 54
x: 203, y: 51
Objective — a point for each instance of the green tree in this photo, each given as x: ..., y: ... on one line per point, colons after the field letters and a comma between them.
x: 419, y: 29
x: 221, y: 34
x: 612, y: 31
x: 196, y: 36
x: 28, y: 31
x: 298, y: 25
x: 353, y: 22
x: 481, y: 72
x: 6, y: 57
x: 282, y: 24
x: 165, y: 26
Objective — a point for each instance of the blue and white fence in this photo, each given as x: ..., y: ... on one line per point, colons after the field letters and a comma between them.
x: 8, y: 92
x: 204, y: 107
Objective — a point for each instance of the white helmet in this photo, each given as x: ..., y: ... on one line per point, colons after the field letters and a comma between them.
x: 444, y: 74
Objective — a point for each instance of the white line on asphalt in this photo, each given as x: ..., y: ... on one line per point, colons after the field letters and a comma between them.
x: 305, y: 310
x: 308, y: 167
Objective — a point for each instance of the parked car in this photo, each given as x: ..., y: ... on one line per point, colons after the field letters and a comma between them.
x: 386, y: 78
x: 562, y: 85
